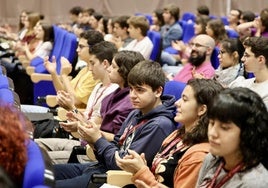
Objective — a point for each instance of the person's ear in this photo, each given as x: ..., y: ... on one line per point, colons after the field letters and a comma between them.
x: 202, y: 109
x: 159, y: 91
x: 262, y: 60
x: 106, y: 63
x: 235, y: 56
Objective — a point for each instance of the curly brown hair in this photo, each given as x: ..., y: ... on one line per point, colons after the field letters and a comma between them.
x: 13, y: 137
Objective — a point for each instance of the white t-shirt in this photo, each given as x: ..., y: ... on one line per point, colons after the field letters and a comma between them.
x: 260, y: 88
x: 145, y: 47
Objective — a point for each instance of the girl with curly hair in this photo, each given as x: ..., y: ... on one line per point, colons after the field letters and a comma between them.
x: 238, y: 137
x: 13, y: 139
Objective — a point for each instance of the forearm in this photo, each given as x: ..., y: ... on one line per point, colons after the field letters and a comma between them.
x: 244, y: 26
x: 57, y: 82
x: 145, y: 175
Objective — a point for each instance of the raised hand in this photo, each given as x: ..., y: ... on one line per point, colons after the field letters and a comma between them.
x: 66, y: 66
x: 50, y: 66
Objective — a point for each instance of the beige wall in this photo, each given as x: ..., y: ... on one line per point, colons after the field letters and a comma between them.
x: 57, y: 10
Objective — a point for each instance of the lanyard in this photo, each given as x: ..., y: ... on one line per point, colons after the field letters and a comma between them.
x: 96, y: 100
x: 226, y: 177
x: 130, y: 129
x: 163, y: 155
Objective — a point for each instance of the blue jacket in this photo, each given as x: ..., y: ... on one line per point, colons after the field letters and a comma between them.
x: 147, y: 138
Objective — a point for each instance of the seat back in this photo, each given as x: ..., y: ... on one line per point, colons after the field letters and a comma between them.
x: 35, y: 173
x: 155, y: 37
x: 232, y: 33
x: 6, y: 96
x: 188, y: 16
x: 188, y: 31
x: 3, y: 82
x: 214, y: 58
x: 174, y: 88
x: 58, y: 46
x: 224, y: 20
x: 68, y: 49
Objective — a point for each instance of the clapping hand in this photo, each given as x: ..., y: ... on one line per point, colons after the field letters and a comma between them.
x: 132, y: 162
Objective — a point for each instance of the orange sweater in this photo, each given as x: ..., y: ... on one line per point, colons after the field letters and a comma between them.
x: 187, y: 171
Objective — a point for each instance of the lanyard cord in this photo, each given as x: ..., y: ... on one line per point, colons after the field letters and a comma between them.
x: 226, y: 177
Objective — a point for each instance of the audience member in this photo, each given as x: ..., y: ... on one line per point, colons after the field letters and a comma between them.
x: 138, y: 28
x: 199, y: 61
x: 230, y: 54
x: 101, y: 55
x: 184, y: 49
x: 120, y: 30
x: 255, y: 61
x: 157, y: 19
x: 82, y: 85
x: 259, y: 27
x: 179, y: 159
x: 171, y: 31
x: 238, y: 140
x: 233, y: 19
x: 246, y: 16
x: 13, y: 155
x: 202, y: 10
x: 83, y: 21
x: 215, y: 29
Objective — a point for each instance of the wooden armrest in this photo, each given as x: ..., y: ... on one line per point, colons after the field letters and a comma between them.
x: 62, y: 114
x: 30, y: 70
x: 37, y: 77
x: 25, y: 64
x: 90, y: 153
x: 51, y: 100
x: 119, y: 178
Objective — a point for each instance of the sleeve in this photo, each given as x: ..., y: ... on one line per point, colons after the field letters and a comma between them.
x: 175, y: 34
x: 145, y: 175
x: 83, y: 85
x: 203, y: 170
x: 238, y: 82
x: 147, y: 139
x: 187, y: 172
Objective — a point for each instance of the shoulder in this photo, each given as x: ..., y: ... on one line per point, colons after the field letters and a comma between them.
x: 241, y: 81
x: 196, y: 153
x: 255, y: 177
x: 176, y: 26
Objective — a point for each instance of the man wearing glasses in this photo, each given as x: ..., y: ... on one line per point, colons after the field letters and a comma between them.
x: 255, y: 61
x: 199, y: 65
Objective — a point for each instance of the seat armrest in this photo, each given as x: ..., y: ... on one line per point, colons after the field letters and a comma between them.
x: 37, y: 77
x: 119, y: 178
x: 30, y: 70
x: 51, y: 100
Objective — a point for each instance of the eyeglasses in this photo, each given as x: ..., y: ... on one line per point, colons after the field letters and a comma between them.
x: 197, y: 45
x: 81, y: 46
